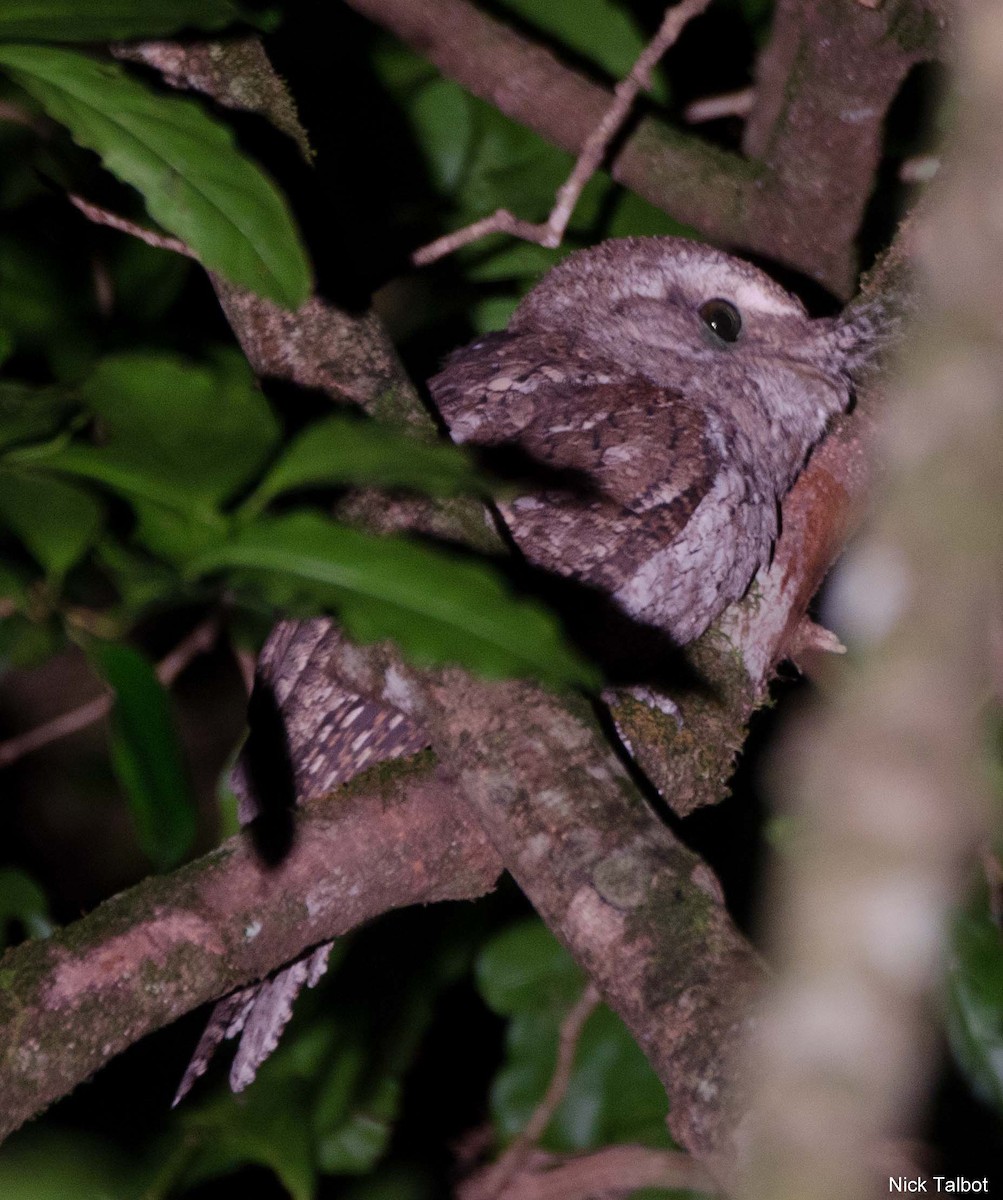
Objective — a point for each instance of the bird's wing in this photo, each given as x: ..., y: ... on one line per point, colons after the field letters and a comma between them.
x: 625, y: 462
x: 328, y: 735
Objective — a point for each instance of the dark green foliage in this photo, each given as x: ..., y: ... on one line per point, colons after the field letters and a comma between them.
x: 99, y: 20
x: 975, y: 1001
x: 146, y: 755
x: 23, y: 906
x: 613, y: 1095
x: 56, y: 521
x: 132, y: 486
x: 340, y: 450
x: 37, y: 1166
x: 180, y: 443
x: 439, y: 608
x: 196, y: 183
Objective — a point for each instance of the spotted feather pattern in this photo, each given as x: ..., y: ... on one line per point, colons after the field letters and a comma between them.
x: 332, y: 735
x: 660, y: 478
x: 665, y: 450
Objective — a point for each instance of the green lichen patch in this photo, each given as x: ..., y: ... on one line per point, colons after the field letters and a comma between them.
x: 384, y: 777
x: 686, y: 919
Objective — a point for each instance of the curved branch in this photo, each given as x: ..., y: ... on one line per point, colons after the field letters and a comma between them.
x: 797, y: 200
x: 698, y: 183
x: 824, y: 85
x: 137, y: 962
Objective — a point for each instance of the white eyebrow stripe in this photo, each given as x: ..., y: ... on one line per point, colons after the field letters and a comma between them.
x: 752, y: 298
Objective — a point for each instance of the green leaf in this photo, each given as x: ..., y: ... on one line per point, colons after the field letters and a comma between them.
x: 340, y: 1069
x: 634, y: 217
x: 438, y: 608
x: 138, y: 482
x: 396, y: 1181
x: 178, y: 439
x: 44, y: 302
x: 975, y: 1002
x: 441, y: 117
x: 360, y: 1093
x: 206, y: 428
x: 174, y: 535
x: 512, y: 260
x: 195, y: 181
x: 146, y: 754
x: 13, y: 588
x: 526, y: 968
x: 358, y: 1139
x: 510, y: 167
x: 613, y: 1095
x: 32, y: 414
x: 24, y: 902
x: 43, y: 1163
x: 146, y: 282
x: 56, y: 521
x: 26, y: 643
x: 271, y: 1130
x: 342, y: 450
x: 493, y: 313
x: 102, y: 20
x: 140, y: 580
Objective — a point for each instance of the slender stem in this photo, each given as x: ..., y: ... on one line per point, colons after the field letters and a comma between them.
x: 197, y: 642
x: 550, y: 233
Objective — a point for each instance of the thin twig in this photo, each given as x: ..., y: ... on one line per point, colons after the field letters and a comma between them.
x: 612, y: 1170
x: 101, y: 216
x: 726, y: 104
x: 22, y: 116
x: 493, y: 1181
x: 197, y: 642
x: 551, y: 231
x: 247, y: 665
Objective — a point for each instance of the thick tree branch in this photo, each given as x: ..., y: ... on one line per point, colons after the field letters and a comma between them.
x: 75, y: 1000
x: 595, y: 149
x: 637, y: 909
x: 697, y: 183
x: 824, y: 86
x: 642, y: 914
x: 672, y: 936
x: 798, y: 200
x: 349, y: 355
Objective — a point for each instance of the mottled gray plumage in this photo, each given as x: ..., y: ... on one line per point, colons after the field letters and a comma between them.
x: 686, y: 443
x: 689, y: 441
x: 332, y: 736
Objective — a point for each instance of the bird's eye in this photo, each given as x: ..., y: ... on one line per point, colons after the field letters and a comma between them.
x: 723, y: 318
